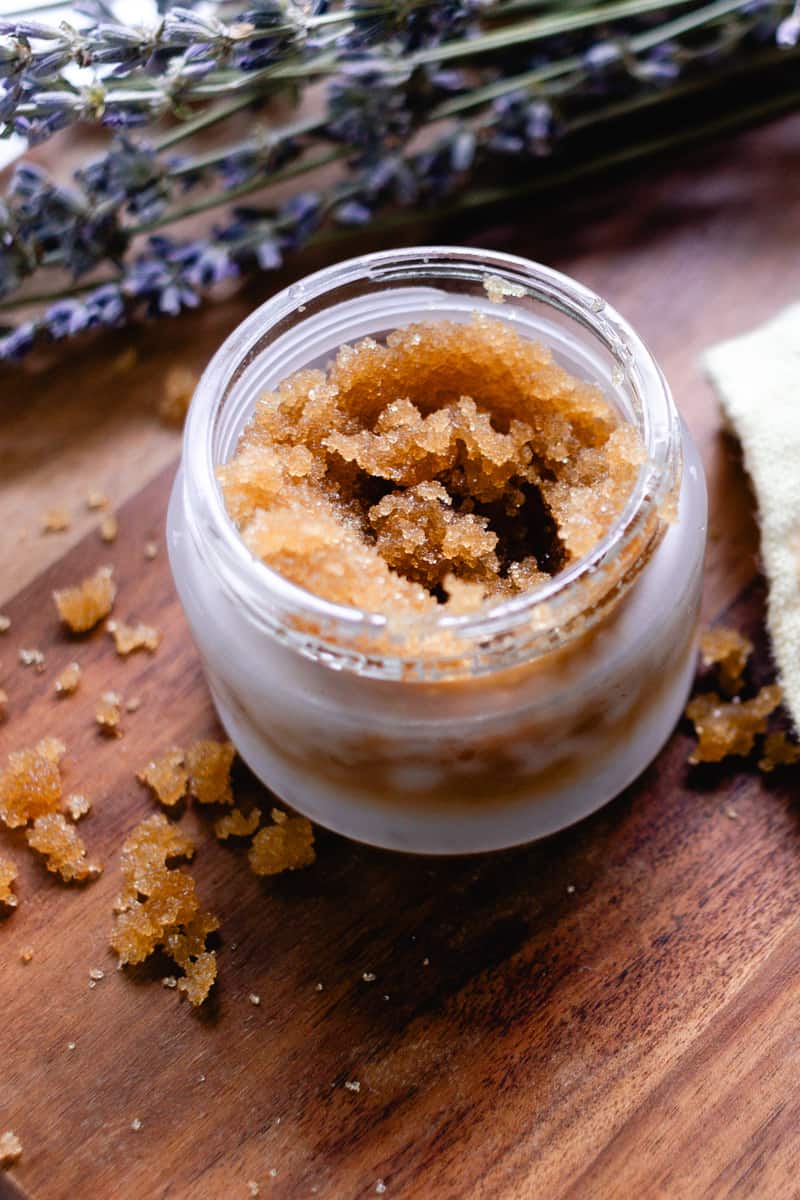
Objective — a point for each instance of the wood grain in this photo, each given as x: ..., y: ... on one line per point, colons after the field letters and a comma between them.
x: 610, y: 1013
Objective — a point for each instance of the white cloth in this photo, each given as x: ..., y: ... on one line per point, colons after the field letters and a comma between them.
x: 757, y: 377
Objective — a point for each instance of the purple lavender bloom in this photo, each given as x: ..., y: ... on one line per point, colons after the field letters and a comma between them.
x: 16, y: 344
x: 65, y: 318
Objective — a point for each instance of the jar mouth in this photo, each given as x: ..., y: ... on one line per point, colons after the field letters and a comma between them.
x: 547, y: 613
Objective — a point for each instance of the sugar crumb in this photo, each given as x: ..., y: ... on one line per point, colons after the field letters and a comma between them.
x: 254, y: 999
x: 273, y: 1172
x: 136, y: 1124
x: 369, y: 977
x: 731, y: 813
x: 3, y: 705
x: 71, y: 1045
x: 55, y: 520
x: 67, y: 682
x: 32, y: 658
x: 77, y: 805
x: 10, y: 1148
x: 5, y: 623
x: 150, y: 550
x: 571, y: 888
x: 352, y: 1085
x: 169, y: 981
x: 109, y: 528
x: 497, y: 288
x: 318, y: 987
x: 26, y: 954
x: 108, y: 714
x: 8, y: 873
x: 252, y: 1187
x: 82, y: 606
x: 133, y: 705
x: 380, y: 1187
x: 426, y: 962
x: 128, y: 638
x: 96, y: 501
x: 97, y: 974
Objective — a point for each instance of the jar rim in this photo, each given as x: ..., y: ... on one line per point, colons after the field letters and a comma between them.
x: 271, y: 598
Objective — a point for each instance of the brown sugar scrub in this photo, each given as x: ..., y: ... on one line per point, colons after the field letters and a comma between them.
x: 449, y: 454
x: 440, y: 546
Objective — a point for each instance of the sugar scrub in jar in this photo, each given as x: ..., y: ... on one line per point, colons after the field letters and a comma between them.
x: 438, y: 531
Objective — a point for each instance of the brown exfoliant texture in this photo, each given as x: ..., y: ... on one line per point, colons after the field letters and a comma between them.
x: 728, y: 651
x: 450, y: 455
x: 68, y: 680
x: 62, y: 846
x: 8, y: 873
x: 237, y: 824
x: 128, y: 638
x: 167, y: 777
x: 83, y: 606
x: 30, y: 785
x: 158, y: 906
x: 209, y: 766
x: 779, y: 751
x: 10, y: 1149
x: 284, y: 846
x: 727, y: 728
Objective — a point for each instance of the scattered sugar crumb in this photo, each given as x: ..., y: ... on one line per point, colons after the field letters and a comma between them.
x: 96, y: 501
x: 352, y: 1085
x: 726, y: 728
x: 209, y: 765
x: 369, y: 977
x: 179, y: 384
x: 10, y: 1148
x: 32, y: 658
x: 497, y: 289
x: 201, y: 1078
x: 728, y: 651
x: 284, y: 846
x: 8, y: 873
x: 380, y: 1187
x: 92, y: 984
x: 237, y: 824
x: 108, y: 714
x: 109, y: 528
x: 81, y: 607
x: 26, y: 954
x: 426, y: 962
x: 67, y: 682
x: 169, y: 981
x: 252, y: 1187
x: 77, y: 805
x: 167, y: 777
x: 30, y: 783
x: 136, y: 1124
x: 150, y: 550
x: 71, y: 1045
x: 96, y: 973
x: 779, y: 751
x: 63, y: 849
x: 273, y: 1172
x: 318, y: 987
x: 254, y: 999
x: 133, y: 705
x: 5, y: 623
x: 571, y: 888
x: 55, y: 520
x: 3, y: 705
x: 128, y: 638
x: 730, y: 813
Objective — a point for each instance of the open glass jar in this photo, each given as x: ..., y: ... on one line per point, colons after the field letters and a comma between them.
x: 545, y: 705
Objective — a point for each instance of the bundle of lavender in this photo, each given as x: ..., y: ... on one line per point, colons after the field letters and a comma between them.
x: 409, y: 105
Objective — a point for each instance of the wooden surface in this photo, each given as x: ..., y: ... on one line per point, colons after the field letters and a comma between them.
x: 611, y: 1013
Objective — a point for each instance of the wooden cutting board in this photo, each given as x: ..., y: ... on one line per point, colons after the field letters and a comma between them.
x: 613, y: 1012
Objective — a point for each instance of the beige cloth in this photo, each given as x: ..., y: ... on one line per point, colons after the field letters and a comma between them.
x: 758, y: 380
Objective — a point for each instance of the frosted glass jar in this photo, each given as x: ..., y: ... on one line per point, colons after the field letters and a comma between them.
x: 555, y: 699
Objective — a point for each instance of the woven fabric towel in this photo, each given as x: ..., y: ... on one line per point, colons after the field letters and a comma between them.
x: 758, y: 380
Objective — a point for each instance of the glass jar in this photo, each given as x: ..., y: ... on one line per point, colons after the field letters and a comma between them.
x: 552, y: 701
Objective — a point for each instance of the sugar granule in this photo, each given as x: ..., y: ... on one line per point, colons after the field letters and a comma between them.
x: 63, y: 848
x: 96, y: 501
x: 352, y: 1085
x: 30, y: 784
x: 108, y: 714
x: 81, y: 607
x: 3, y: 704
x: 252, y: 1187
x: 10, y: 1149
x: 285, y: 846
x: 109, y: 528
x: 254, y: 999
x: 32, y: 658
x: 726, y: 728
x: 179, y: 385
x: 71, y: 1045
x: 497, y: 288
x: 237, y: 824
x: 97, y: 974
x: 8, y: 873
x: 77, y: 805
x: 55, y: 520
x: 67, y: 682
x: 128, y: 638
x: 169, y: 981
x: 133, y: 705
x: 158, y: 906
x: 167, y: 777
x: 779, y: 751
x: 26, y: 954
x: 369, y: 977
x: 209, y: 765
x: 380, y: 1187
x: 5, y: 623
x: 728, y: 651
x: 136, y: 1124
x: 150, y: 550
